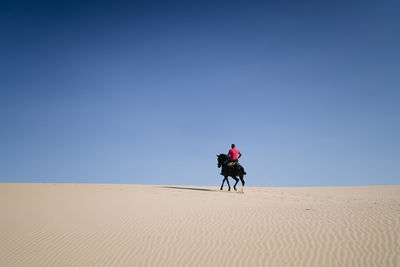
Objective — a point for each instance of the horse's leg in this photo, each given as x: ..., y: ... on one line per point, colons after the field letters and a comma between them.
x: 222, y: 185
x: 227, y: 181
x: 237, y: 180
x: 241, y: 179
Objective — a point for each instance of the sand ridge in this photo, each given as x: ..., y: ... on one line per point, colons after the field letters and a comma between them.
x: 155, y: 225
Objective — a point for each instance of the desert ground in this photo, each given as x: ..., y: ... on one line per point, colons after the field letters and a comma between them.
x: 160, y: 225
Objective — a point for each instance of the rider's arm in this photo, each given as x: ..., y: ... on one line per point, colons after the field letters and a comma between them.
x: 240, y: 154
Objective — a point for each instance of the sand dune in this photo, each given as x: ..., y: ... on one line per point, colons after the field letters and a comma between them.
x: 141, y: 225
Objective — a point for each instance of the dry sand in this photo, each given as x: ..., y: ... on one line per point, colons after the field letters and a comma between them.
x: 142, y: 225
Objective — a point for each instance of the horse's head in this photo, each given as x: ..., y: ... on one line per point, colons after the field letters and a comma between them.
x: 221, y: 159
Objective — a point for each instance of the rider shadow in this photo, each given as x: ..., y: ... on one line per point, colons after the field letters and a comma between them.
x: 188, y: 188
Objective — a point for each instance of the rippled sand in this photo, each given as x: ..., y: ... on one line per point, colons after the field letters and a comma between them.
x: 141, y: 225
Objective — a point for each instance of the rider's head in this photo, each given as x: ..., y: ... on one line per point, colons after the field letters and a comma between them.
x: 233, y: 145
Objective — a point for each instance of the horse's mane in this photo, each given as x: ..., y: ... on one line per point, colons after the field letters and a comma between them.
x: 223, y: 156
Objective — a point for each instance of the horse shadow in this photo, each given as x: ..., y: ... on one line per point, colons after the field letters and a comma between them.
x: 188, y: 188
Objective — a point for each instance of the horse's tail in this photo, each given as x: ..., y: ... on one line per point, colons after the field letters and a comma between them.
x: 242, y: 170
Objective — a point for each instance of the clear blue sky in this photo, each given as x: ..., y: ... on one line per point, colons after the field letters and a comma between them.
x: 149, y: 92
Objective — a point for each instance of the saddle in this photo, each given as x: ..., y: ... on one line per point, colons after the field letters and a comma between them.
x: 232, y: 163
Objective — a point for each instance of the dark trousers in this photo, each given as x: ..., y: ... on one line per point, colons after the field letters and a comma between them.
x: 224, y: 166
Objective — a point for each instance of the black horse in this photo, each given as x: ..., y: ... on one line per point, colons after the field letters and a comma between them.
x: 232, y: 171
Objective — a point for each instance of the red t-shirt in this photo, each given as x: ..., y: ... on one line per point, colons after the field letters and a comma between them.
x: 233, y: 154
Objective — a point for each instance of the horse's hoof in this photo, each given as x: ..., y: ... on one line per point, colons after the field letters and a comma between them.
x: 235, y: 189
x: 229, y: 189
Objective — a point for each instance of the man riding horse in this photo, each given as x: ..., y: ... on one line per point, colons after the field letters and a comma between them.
x: 234, y: 156
x: 231, y: 167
